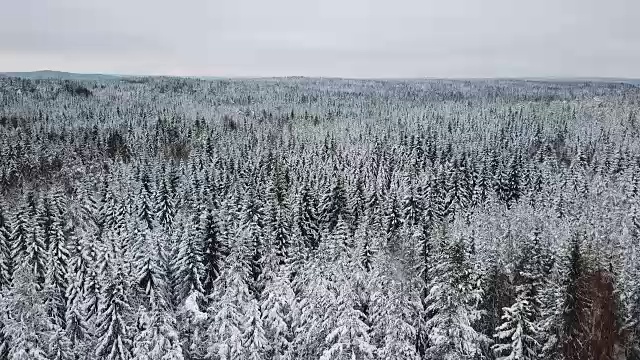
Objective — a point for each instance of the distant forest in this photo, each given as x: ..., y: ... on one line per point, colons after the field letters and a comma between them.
x: 171, y: 219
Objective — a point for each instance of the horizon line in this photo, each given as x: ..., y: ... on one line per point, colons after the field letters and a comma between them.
x: 534, y: 78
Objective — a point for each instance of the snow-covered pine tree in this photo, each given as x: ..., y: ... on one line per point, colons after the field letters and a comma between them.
x: 35, y: 254
x: 393, y: 318
x: 113, y: 335
x: 214, y: 251
x: 91, y: 291
x: 144, y: 203
x: 334, y: 203
x: 350, y: 336
x: 254, y: 337
x: 278, y: 300
x: 165, y: 207
x: 282, y: 237
x: 75, y: 318
x: 148, y: 266
x: 24, y: 316
x: 452, y: 303
x: 307, y: 219
x: 6, y: 263
x: 157, y: 338
x: 516, y: 336
x: 60, y: 346
x: 23, y: 226
x: 56, y: 280
x: 227, y: 328
x: 189, y: 264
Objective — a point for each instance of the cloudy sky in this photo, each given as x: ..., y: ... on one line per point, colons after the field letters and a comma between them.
x: 346, y: 38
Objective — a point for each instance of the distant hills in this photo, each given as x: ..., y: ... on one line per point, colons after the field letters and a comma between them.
x: 62, y: 75
x: 59, y: 75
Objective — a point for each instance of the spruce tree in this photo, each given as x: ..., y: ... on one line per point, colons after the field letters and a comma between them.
x: 6, y: 263
x: 214, y: 252
x: 113, y: 335
x: 452, y: 302
x: 307, y: 220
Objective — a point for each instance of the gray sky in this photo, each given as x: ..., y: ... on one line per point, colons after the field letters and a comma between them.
x: 348, y: 38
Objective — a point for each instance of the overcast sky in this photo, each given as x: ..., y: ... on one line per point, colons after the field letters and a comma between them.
x: 345, y: 38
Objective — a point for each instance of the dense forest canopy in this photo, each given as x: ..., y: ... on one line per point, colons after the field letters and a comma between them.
x: 298, y: 218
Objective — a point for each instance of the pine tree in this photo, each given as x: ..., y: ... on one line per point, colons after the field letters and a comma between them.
x: 357, y: 202
x: 24, y: 316
x: 214, y: 252
x: 226, y: 332
x: 277, y: 308
x: 35, y: 255
x: 393, y: 322
x: 60, y: 347
x: 412, y: 205
x: 452, y: 301
x: 349, y: 339
x: 165, y: 208
x: 112, y: 330
x: 282, y: 237
x: 393, y: 223
x: 254, y: 338
x: 144, y: 206
x: 307, y: 220
x: 6, y: 263
x: 75, y: 319
x: 571, y: 327
x: 22, y: 229
x: 517, y: 334
x: 148, y: 267
x: 158, y: 339
x: 189, y: 265
x: 91, y: 289
x: 58, y: 262
x: 334, y: 204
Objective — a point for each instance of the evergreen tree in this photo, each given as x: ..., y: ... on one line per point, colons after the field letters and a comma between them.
x: 571, y: 327
x: 24, y: 317
x: 148, y: 267
x: 57, y: 265
x: 157, y: 339
x: 214, y: 252
x: 334, y: 204
x: 112, y: 329
x: 254, y: 337
x: 277, y: 316
x: 189, y: 265
x: 165, y: 208
x: 22, y: 229
x: 307, y: 220
x: 453, y: 302
x: 226, y: 332
x: 6, y: 263
x: 349, y: 339
x: 518, y: 332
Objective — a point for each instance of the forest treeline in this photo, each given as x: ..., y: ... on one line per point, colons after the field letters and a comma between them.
x: 166, y: 219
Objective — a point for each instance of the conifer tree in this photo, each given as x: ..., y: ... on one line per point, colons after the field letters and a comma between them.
x: 277, y: 316
x: 113, y: 333
x: 350, y: 337
x: 24, y: 317
x: 158, y: 338
x: 189, y: 265
x: 453, y: 302
x: 306, y: 219
x: 214, y: 252
x: 6, y: 263
x: 334, y: 204
x: 165, y: 209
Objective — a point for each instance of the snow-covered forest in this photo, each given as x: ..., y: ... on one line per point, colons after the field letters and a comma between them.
x: 169, y: 219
